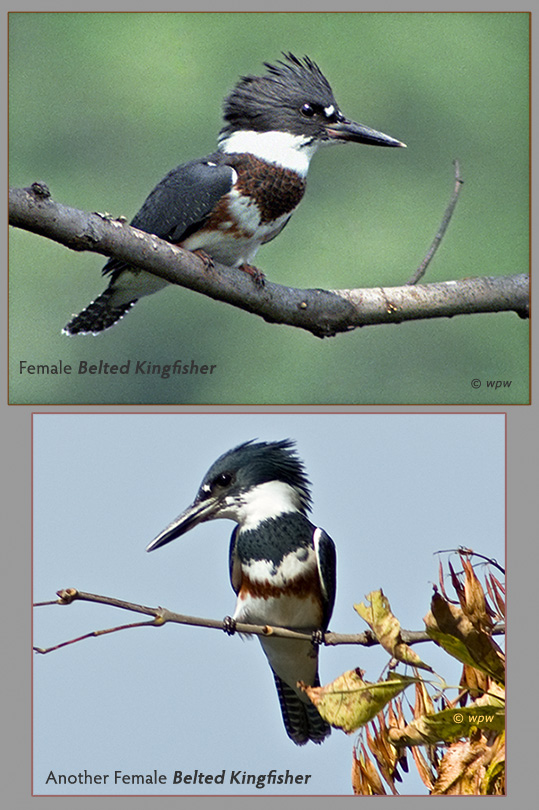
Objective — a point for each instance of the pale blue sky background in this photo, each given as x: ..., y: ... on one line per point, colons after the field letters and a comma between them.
x: 390, y: 489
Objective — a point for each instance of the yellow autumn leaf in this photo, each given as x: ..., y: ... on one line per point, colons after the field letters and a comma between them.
x: 386, y: 627
x: 349, y: 702
x: 450, y: 724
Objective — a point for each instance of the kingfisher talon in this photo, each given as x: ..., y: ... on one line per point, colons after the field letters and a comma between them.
x: 229, y: 625
x: 206, y: 258
x: 257, y: 275
x: 231, y: 202
x: 317, y: 638
x: 282, y: 567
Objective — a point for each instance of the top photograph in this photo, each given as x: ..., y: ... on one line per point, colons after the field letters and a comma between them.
x: 181, y: 234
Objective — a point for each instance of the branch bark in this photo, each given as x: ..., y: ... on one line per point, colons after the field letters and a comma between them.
x: 162, y: 615
x: 324, y: 313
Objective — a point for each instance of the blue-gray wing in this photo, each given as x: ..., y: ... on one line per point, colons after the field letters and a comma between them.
x: 326, y: 558
x: 182, y: 201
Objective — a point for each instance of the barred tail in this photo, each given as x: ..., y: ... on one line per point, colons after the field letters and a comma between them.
x: 99, y: 315
x: 301, y: 720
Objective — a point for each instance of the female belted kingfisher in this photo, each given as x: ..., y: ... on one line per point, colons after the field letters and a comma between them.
x: 282, y: 567
x: 228, y: 204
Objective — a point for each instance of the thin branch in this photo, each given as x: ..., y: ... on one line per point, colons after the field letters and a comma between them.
x: 162, y: 616
x: 471, y: 553
x: 421, y: 270
x: 93, y: 634
x: 322, y: 312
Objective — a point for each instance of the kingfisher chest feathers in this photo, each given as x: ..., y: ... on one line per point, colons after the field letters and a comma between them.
x: 275, y: 574
x: 260, y: 202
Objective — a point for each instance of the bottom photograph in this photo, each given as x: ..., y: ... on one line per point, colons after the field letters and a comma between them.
x: 269, y: 604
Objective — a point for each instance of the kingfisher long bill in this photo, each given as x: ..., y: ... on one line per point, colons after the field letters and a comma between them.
x: 226, y: 205
x: 282, y: 567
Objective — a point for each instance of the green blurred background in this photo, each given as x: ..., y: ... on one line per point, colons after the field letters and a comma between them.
x: 103, y: 105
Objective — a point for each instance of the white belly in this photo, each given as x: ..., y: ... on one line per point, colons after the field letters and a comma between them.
x: 238, y: 238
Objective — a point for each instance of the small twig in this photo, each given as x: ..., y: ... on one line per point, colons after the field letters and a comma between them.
x: 420, y: 272
x: 470, y: 553
x: 44, y: 604
x: 93, y: 634
x: 162, y: 616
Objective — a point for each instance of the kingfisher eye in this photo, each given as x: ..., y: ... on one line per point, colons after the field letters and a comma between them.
x: 222, y: 480
x: 208, y: 490
x: 307, y: 110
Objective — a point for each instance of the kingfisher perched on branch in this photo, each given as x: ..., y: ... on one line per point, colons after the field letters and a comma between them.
x: 226, y: 205
x: 282, y: 567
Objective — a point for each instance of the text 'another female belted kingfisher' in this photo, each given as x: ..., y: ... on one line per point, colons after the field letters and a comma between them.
x: 228, y: 204
x: 282, y: 567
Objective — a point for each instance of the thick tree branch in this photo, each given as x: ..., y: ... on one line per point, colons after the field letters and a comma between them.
x: 162, y: 615
x: 322, y: 312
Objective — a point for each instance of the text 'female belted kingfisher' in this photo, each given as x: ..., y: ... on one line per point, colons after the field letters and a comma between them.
x: 228, y: 204
x: 282, y: 567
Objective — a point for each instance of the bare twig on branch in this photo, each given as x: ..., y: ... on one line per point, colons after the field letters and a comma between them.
x: 162, y: 615
x: 421, y: 270
x: 322, y: 312
x: 471, y: 553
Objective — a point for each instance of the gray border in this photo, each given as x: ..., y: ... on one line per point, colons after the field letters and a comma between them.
x: 522, y: 430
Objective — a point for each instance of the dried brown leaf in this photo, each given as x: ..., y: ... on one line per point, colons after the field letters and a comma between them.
x: 392, y: 717
x: 381, y: 750
x: 497, y: 591
x: 494, y: 781
x: 373, y: 777
x: 358, y: 782
x: 474, y: 681
x: 474, y: 604
x: 365, y: 778
x: 456, y: 583
x: 423, y: 702
x: 423, y: 769
x: 472, y: 767
x: 447, y: 625
x: 441, y: 580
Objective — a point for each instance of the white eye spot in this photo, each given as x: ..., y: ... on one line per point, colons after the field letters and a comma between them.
x: 328, y: 111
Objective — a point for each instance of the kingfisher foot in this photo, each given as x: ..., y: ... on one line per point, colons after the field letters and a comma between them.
x: 257, y: 275
x: 229, y: 625
x: 317, y: 638
x: 206, y: 258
